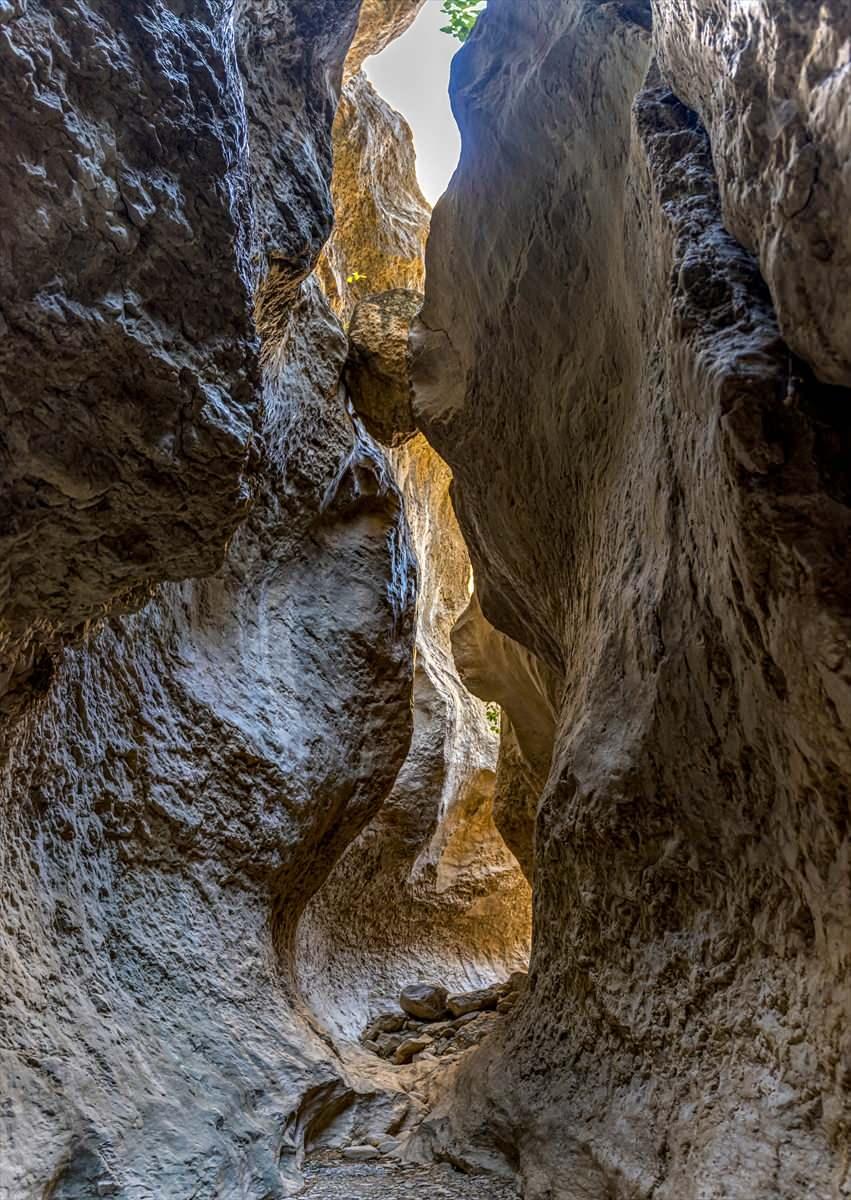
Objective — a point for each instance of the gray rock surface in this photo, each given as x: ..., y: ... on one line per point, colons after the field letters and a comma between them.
x: 129, y: 251
x: 426, y: 1001
x: 772, y: 86
x: 191, y: 772
x: 654, y: 491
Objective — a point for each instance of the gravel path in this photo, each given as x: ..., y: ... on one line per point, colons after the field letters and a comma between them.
x: 330, y: 1178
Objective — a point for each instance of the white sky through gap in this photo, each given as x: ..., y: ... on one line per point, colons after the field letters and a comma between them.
x: 412, y: 74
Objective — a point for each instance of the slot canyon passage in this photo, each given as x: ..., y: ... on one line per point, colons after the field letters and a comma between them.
x: 393, y: 598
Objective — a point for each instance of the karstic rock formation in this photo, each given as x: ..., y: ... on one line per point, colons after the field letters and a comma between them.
x: 288, y: 499
x: 651, y: 473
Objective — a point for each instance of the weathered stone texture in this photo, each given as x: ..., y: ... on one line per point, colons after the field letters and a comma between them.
x: 378, y: 372
x: 655, y: 494
x: 381, y: 217
x: 772, y: 85
x: 429, y: 890
x: 189, y: 781
x: 380, y: 23
x: 192, y: 771
x: 142, y: 190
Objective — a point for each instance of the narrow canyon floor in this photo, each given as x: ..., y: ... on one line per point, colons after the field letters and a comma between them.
x: 329, y: 1177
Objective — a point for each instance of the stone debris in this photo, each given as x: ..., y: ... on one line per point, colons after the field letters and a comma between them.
x: 329, y: 1176
x: 361, y: 1153
x: 427, y: 1001
x: 401, y: 1038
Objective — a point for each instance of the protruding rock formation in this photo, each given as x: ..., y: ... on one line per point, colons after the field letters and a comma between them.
x: 154, y: 166
x: 654, y: 491
x: 191, y: 772
x: 378, y: 371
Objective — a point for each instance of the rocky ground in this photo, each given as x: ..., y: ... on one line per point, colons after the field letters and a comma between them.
x: 331, y: 1177
x: 431, y: 1022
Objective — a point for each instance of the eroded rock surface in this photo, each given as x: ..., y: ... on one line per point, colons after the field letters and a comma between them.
x: 429, y: 890
x: 144, y: 197
x: 381, y: 216
x: 193, y: 771
x: 378, y: 371
x: 655, y: 495
x: 772, y: 85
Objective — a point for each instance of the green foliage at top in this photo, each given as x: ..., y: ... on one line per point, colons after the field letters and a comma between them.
x: 494, y: 717
x: 462, y: 15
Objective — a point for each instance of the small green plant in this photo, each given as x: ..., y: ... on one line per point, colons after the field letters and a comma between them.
x: 355, y: 277
x: 493, y: 713
x: 462, y: 15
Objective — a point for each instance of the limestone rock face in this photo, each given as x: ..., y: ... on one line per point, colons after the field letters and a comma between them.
x: 496, y: 668
x: 381, y: 216
x: 380, y: 23
x: 655, y: 494
x: 188, y: 782
x: 378, y: 371
x: 129, y: 251
x: 772, y: 85
x: 429, y: 890
x: 193, y: 770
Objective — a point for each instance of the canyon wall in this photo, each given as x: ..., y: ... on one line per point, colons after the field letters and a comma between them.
x: 634, y: 328
x: 182, y: 762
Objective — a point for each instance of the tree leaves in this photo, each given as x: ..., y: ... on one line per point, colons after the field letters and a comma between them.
x: 462, y: 15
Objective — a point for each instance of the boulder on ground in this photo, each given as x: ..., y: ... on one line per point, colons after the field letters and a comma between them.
x: 426, y: 1001
x: 410, y: 1047
x: 477, y: 1001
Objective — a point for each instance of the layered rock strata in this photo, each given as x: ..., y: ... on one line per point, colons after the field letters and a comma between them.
x: 654, y: 490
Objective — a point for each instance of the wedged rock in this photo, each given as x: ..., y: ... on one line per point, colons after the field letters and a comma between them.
x: 426, y: 1001
x: 378, y: 368
x: 478, y: 1001
x: 411, y: 1047
x: 386, y: 1023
